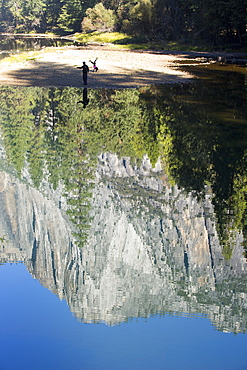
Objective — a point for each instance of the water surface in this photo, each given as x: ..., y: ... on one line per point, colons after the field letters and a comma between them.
x: 12, y: 43
x: 126, y: 213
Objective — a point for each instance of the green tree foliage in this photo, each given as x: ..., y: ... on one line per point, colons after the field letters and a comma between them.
x: 17, y: 120
x: 52, y: 13
x: 225, y: 20
x: 67, y: 156
x: 50, y: 132
x: 141, y: 18
x: 27, y: 15
x: 234, y: 212
x: 239, y: 198
x: 70, y: 16
x: 98, y: 18
x: 215, y: 22
x: 6, y: 16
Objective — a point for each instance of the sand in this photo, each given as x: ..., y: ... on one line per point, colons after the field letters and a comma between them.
x: 57, y: 67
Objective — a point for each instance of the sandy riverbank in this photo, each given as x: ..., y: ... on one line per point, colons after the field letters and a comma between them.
x: 117, y: 69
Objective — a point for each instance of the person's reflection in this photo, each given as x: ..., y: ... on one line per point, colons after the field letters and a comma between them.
x: 85, y: 99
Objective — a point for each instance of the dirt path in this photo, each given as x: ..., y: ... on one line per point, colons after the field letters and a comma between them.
x: 117, y: 69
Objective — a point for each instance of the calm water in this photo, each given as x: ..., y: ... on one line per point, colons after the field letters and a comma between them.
x: 19, y: 43
x: 123, y: 226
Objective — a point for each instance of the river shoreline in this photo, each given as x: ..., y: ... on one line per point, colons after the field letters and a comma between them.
x: 57, y: 67
x: 118, y: 68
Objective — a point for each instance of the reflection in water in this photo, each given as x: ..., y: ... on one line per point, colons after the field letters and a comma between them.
x: 16, y: 43
x: 85, y: 99
x: 147, y: 186
x: 145, y: 255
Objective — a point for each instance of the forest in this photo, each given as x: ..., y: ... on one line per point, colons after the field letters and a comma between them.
x: 49, y: 132
x: 208, y: 22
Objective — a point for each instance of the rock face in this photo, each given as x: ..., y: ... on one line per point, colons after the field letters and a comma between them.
x: 151, y: 249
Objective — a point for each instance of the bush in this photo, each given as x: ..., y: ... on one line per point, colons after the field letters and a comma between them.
x: 98, y: 18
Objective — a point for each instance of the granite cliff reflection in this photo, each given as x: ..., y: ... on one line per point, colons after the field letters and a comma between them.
x: 152, y: 249
x: 132, y: 207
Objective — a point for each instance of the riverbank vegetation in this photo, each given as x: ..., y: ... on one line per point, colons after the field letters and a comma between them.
x: 214, y: 23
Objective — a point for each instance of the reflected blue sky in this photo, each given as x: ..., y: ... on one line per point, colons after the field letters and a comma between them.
x: 39, y: 332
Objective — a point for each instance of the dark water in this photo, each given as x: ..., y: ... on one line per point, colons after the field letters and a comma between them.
x: 18, y: 43
x: 125, y: 209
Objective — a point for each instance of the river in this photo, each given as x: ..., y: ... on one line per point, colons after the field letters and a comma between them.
x: 17, y: 43
x: 123, y: 225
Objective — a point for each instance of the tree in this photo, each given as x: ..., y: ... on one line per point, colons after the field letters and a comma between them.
x: 27, y: 15
x: 71, y: 15
x: 52, y: 13
x: 6, y: 17
x: 141, y: 16
x: 98, y: 18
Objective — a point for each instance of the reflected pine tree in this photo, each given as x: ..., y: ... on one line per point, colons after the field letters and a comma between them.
x: 16, y: 121
x: 36, y: 155
x: 42, y: 128
x: 184, y: 140
x: 50, y: 129
x: 238, y: 201
x: 114, y: 123
x: 207, y: 150
x: 69, y: 156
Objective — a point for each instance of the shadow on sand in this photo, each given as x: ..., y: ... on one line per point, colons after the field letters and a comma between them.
x: 49, y: 74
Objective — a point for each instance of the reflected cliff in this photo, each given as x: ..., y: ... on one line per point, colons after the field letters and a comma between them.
x: 134, y: 206
x: 152, y: 249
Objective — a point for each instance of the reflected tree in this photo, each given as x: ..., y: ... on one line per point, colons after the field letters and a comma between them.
x: 198, y: 152
x: 50, y: 130
x: 17, y: 123
x: 74, y: 168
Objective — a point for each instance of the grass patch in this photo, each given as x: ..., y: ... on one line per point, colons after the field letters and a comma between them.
x: 21, y: 57
x: 123, y: 41
x: 119, y: 40
x: 114, y: 38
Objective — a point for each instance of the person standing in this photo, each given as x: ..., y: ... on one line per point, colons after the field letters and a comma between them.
x: 85, y: 71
